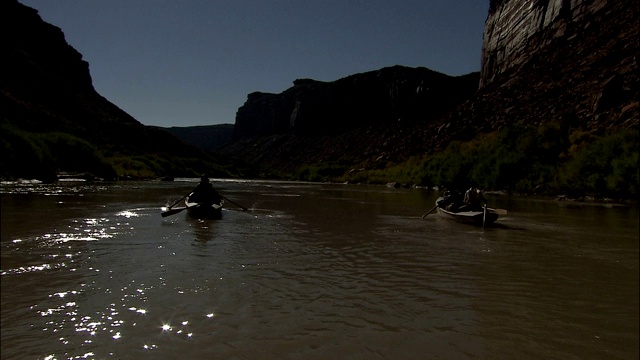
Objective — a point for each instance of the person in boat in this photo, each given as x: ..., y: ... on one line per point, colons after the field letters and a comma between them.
x: 204, y: 193
x: 451, y: 200
x: 473, y: 200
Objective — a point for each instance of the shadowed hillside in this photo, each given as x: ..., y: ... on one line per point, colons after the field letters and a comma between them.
x: 557, y: 111
x: 385, y: 96
x: 373, y: 117
x: 54, y: 121
x: 207, y: 137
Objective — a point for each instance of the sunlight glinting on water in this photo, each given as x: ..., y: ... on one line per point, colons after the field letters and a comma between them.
x: 305, y: 263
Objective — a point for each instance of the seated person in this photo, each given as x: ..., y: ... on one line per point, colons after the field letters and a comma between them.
x: 473, y: 200
x: 452, y: 200
x: 204, y: 193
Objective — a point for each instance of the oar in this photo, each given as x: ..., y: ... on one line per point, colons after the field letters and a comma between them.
x: 173, y: 211
x: 500, y: 211
x: 184, y: 197
x: 177, y: 210
x: 484, y: 217
x: 429, y: 212
x: 235, y: 203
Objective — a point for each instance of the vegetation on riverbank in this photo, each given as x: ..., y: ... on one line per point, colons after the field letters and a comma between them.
x: 43, y: 156
x: 549, y: 159
x: 543, y: 160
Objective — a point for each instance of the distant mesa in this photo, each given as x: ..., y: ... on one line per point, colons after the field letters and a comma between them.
x: 206, y: 137
x: 315, y: 108
x: 543, y: 61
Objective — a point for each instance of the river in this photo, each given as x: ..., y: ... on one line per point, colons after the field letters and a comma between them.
x: 311, y: 271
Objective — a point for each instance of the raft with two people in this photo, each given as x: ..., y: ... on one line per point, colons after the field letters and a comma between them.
x: 470, y: 209
x: 204, y: 202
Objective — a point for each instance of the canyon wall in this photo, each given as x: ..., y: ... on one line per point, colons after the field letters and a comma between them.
x: 550, y: 60
x: 53, y: 120
x: 567, y: 62
x: 387, y: 95
x: 516, y: 29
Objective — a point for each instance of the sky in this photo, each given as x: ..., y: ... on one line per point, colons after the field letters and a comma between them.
x: 193, y: 62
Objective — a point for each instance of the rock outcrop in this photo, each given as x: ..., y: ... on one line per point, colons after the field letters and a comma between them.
x: 45, y: 85
x: 564, y: 61
x: 515, y: 30
x: 206, y: 137
x: 549, y: 59
x: 46, y: 88
x: 315, y: 108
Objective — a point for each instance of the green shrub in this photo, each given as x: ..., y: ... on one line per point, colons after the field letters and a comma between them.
x: 73, y: 154
x: 320, y: 172
x: 606, y: 167
x: 546, y: 159
x: 25, y: 155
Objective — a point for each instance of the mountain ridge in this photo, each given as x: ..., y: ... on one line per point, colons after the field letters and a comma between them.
x: 50, y: 113
x: 315, y: 108
x: 572, y: 78
x: 209, y: 138
x: 558, y: 114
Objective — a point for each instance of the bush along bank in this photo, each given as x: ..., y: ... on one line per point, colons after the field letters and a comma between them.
x: 549, y: 159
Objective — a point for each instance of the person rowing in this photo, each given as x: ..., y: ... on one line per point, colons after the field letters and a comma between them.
x: 451, y: 200
x: 473, y: 200
x: 204, y: 193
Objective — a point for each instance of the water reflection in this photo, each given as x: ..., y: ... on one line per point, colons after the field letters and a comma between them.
x: 203, y: 230
x: 312, y: 271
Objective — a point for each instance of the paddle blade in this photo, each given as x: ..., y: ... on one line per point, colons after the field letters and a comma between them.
x: 173, y: 211
x: 500, y: 211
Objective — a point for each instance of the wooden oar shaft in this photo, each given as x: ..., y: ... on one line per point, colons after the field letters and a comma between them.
x: 235, y: 203
x: 176, y: 203
x: 177, y: 210
x: 484, y: 216
x: 173, y: 211
x: 429, y: 212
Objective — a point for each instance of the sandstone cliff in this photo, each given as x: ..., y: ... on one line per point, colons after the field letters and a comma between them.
x: 548, y: 59
x: 515, y: 30
x: 314, y: 108
x: 543, y: 61
x: 51, y: 115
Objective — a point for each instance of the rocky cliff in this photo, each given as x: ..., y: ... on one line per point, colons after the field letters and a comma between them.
x: 548, y: 59
x: 515, y: 30
x: 572, y: 62
x: 46, y: 85
x: 52, y: 117
x: 384, y: 96
x: 206, y: 137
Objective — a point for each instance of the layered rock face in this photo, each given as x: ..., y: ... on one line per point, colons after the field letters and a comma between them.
x: 46, y: 86
x: 325, y: 108
x: 572, y: 62
x: 513, y: 27
x: 550, y: 59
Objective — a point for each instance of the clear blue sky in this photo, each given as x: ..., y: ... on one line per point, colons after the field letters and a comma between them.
x: 193, y: 62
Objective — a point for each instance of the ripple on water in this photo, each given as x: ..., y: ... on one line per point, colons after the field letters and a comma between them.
x: 313, y: 276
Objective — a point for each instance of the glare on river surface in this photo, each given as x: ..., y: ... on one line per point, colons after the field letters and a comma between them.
x: 310, y: 271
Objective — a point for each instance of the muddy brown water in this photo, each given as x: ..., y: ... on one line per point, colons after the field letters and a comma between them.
x: 311, y: 271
